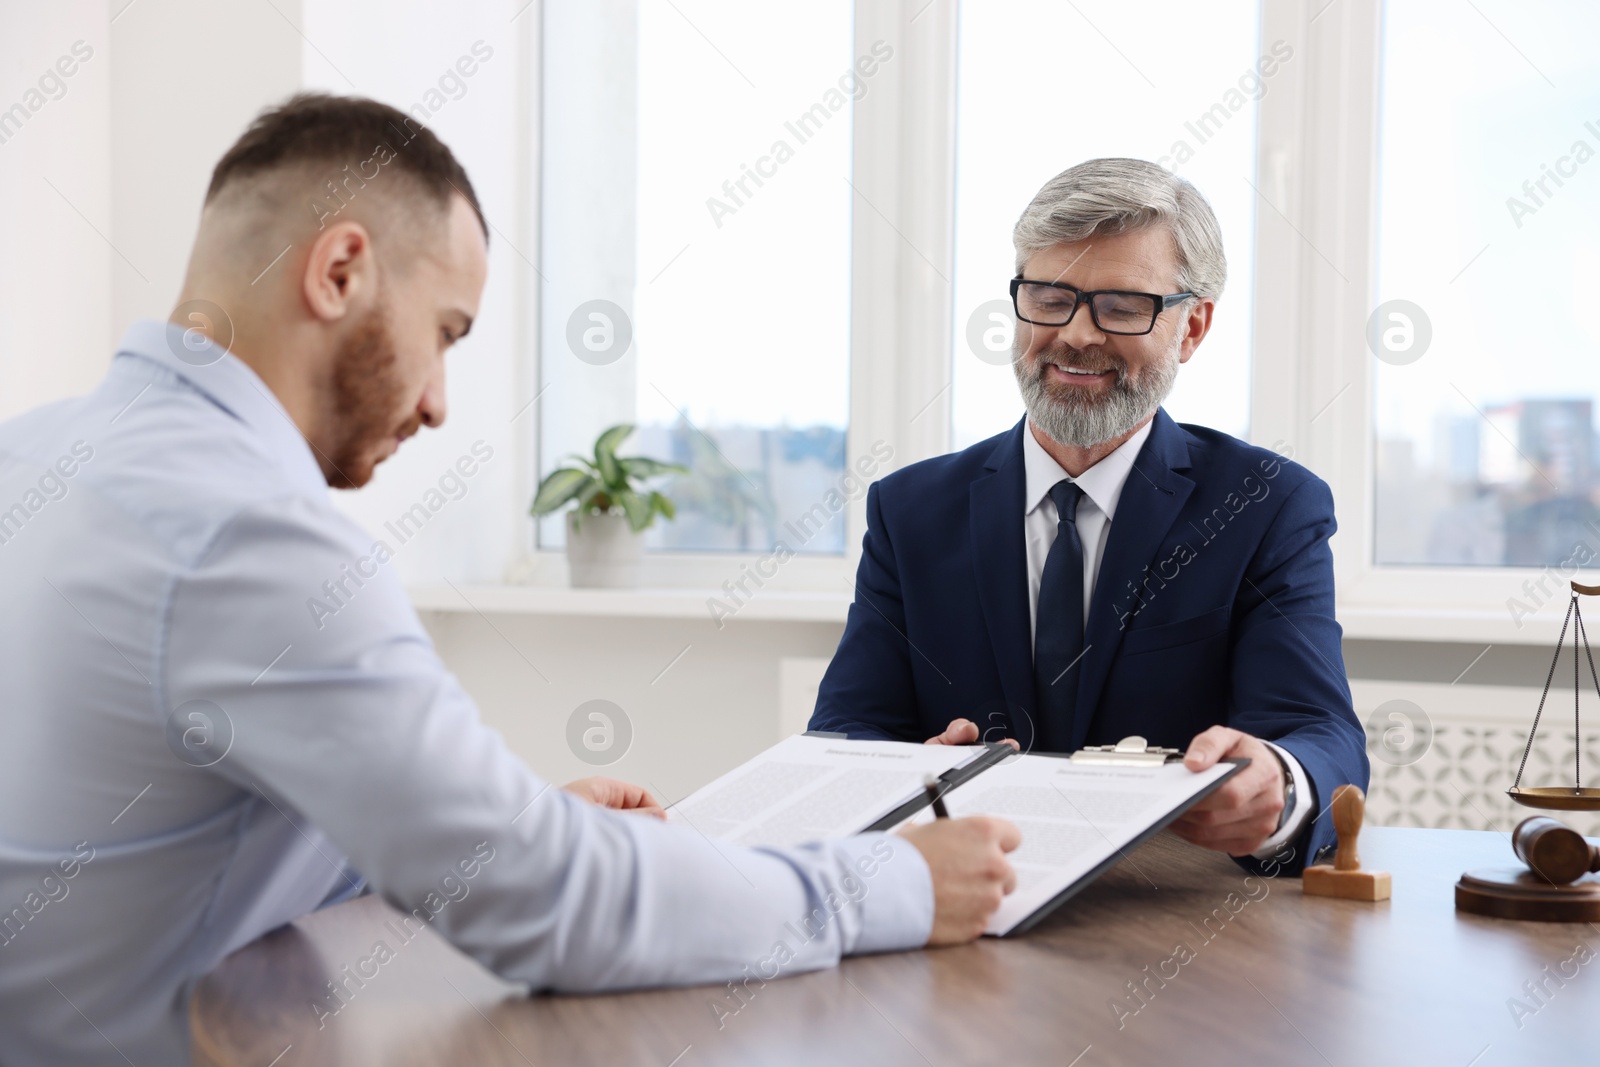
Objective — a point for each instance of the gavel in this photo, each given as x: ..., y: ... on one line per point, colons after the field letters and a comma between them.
x: 1556, y: 853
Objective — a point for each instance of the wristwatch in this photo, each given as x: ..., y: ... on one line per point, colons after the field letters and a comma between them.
x: 1288, y: 790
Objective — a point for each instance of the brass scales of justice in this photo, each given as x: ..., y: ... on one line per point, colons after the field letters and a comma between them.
x: 1560, y: 798
x: 1558, y: 883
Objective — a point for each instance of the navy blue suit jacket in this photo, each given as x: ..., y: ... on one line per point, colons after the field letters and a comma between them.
x: 1213, y: 605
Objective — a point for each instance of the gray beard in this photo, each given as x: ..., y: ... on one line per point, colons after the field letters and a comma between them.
x: 1069, y: 417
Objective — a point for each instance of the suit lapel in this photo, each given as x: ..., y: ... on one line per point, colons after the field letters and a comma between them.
x: 1151, y: 499
x: 1000, y: 558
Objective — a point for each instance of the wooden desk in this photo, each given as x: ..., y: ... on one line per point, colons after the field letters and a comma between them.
x: 1288, y: 979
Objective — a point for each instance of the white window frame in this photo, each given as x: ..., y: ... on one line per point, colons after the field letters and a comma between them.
x: 1311, y: 373
x: 901, y: 245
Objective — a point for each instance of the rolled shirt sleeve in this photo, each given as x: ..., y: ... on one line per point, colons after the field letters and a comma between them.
x: 294, y: 626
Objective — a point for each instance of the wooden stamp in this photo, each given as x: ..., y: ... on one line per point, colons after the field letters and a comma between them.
x: 1345, y: 878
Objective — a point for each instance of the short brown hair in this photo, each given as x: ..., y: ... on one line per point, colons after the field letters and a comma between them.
x: 319, y: 128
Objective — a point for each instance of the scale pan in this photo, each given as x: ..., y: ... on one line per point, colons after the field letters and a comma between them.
x: 1557, y: 798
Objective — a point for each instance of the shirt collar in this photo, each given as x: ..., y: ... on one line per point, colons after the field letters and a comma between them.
x: 1101, y: 483
x: 229, y: 383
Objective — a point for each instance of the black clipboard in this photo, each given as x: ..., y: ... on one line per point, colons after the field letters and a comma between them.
x: 994, y: 753
x: 1131, y: 751
x: 1112, y: 860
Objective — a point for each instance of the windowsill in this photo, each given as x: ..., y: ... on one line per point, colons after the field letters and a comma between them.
x: 1493, y: 626
x: 1367, y: 623
x: 769, y: 605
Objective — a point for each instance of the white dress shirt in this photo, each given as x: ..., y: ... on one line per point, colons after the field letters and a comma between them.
x: 161, y: 541
x: 1102, y: 487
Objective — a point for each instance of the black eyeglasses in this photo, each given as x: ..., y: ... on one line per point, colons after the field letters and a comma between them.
x: 1115, y: 311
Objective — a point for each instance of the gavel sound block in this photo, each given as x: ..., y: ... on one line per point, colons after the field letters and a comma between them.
x: 1556, y: 886
x: 1345, y: 878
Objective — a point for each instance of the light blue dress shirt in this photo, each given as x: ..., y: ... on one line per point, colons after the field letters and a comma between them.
x: 192, y: 757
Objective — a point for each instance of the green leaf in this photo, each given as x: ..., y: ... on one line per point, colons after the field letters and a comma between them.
x: 613, y: 437
x: 642, y: 467
x: 663, y: 504
x: 637, y: 509
x: 609, y: 482
x: 605, y: 455
x: 560, y: 486
x: 587, y: 501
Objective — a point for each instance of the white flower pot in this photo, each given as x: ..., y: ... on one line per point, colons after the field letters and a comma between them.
x: 603, y: 552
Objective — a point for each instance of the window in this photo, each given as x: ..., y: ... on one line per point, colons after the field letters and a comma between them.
x: 1486, y: 271
x: 1434, y: 154
x: 1042, y: 85
x: 695, y: 257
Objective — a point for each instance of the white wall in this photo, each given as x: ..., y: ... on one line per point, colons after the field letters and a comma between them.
x: 714, y: 707
x: 56, y: 267
x: 182, y: 90
x: 103, y: 186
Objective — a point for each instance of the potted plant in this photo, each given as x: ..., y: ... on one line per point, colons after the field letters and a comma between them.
x: 613, y: 508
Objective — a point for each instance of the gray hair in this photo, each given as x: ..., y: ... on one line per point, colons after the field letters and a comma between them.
x: 1103, y: 197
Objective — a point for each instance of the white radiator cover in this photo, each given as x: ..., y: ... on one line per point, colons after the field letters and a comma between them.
x: 1459, y: 779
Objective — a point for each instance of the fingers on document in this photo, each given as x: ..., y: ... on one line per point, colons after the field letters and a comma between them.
x: 1007, y: 837
x: 1005, y: 833
x: 1209, y: 746
x: 959, y: 732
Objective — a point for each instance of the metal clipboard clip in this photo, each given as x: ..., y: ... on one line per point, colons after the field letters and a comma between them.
x: 1130, y: 751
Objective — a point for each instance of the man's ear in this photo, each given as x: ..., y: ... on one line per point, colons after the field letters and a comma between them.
x: 339, y: 271
x: 1196, y: 324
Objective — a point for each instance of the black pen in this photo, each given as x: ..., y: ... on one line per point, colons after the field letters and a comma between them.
x: 931, y: 784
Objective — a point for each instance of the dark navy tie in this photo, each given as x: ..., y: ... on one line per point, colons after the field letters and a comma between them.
x: 1058, y: 626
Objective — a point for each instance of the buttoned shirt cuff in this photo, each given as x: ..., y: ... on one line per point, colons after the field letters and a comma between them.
x: 897, y: 902
x: 1299, y: 815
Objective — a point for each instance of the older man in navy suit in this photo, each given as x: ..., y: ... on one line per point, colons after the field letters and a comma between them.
x: 1099, y: 570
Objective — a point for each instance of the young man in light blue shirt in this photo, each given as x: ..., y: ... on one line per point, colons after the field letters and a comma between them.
x: 192, y: 759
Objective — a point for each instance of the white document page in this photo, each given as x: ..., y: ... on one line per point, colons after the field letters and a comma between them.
x: 1073, y: 816
x: 805, y: 788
